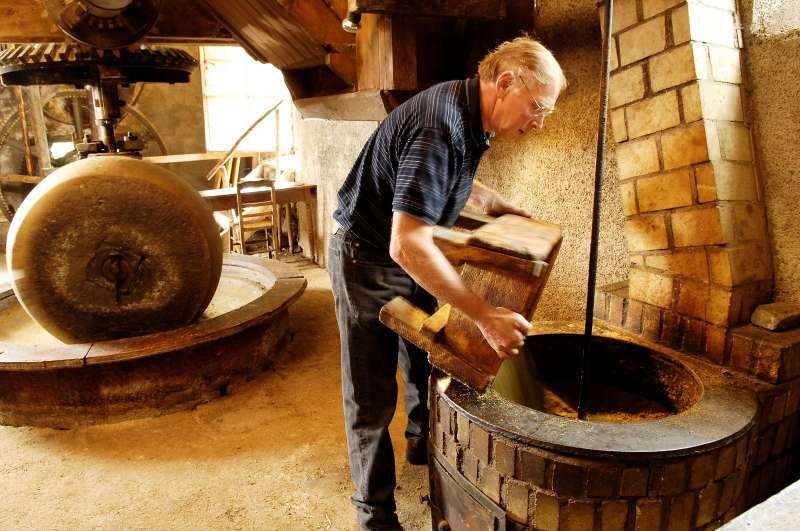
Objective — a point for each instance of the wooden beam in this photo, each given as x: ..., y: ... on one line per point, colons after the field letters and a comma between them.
x: 320, y: 21
x: 180, y: 21
x: 386, y: 52
x: 209, y: 155
x: 39, y: 130
x: 314, y: 82
x: 187, y: 21
x: 479, y: 9
x: 267, y: 31
x: 364, y: 105
x: 339, y: 7
x: 25, y: 21
x: 29, y: 179
x: 343, y: 65
x: 23, y: 120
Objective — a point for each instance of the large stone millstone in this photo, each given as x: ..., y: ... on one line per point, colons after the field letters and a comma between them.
x: 111, y: 247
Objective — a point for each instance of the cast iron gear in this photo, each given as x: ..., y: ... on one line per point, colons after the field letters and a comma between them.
x: 72, y: 64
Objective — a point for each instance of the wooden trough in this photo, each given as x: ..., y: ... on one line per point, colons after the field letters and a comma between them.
x: 504, y: 260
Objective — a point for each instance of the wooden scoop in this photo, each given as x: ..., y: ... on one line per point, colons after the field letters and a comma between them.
x: 504, y: 260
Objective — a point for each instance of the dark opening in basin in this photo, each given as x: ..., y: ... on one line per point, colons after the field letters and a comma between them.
x: 627, y: 382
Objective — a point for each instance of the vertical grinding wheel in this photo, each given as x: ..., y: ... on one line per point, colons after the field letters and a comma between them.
x: 111, y: 247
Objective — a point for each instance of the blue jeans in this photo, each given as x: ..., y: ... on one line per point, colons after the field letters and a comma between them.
x: 363, y: 279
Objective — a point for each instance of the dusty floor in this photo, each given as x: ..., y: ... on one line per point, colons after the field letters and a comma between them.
x: 269, y: 456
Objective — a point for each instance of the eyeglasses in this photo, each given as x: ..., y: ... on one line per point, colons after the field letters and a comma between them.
x: 537, y: 109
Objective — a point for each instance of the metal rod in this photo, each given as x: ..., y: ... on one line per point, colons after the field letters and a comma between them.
x: 598, y: 189
x: 105, y: 98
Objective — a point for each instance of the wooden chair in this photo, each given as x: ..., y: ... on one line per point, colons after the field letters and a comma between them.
x: 255, y: 216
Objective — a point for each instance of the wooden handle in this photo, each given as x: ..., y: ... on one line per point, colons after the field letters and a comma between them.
x: 409, y: 321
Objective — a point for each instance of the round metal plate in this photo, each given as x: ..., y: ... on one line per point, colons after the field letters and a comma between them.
x: 112, y: 247
x: 104, y: 23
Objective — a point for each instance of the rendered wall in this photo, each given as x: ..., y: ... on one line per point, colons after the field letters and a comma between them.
x: 771, y: 31
x: 326, y: 151
x: 551, y: 171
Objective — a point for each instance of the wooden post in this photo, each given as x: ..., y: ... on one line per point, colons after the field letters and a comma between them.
x: 277, y: 144
x: 386, y: 49
x: 23, y: 119
x: 39, y: 131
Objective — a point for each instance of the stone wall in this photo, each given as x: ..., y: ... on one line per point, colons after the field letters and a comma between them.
x: 695, y: 216
x: 706, y: 164
x: 550, y: 490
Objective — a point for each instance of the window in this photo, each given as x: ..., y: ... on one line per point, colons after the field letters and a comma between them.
x: 236, y: 91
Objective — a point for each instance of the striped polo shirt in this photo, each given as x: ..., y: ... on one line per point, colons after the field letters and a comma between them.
x: 421, y: 160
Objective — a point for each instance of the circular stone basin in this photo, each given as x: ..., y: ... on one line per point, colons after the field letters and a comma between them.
x: 645, y: 400
x: 236, y: 289
x: 45, y: 382
x: 626, y: 382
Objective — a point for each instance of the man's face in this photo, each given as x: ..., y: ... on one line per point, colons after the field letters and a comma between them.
x: 522, y: 104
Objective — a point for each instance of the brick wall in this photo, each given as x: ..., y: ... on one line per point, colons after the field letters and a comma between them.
x: 695, y: 221
x: 774, y: 448
x: 694, y: 214
x: 546, y: 490
x: 772, y: 358
x: 695, y: 228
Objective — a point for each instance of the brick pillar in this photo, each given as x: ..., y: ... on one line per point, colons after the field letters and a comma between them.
x: 695, y: 223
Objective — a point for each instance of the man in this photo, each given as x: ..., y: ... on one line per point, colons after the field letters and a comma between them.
x: 416, y: 171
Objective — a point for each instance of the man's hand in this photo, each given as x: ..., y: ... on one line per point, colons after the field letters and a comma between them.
x: 504, y: 330
x: 488, y: 201
x: 499, y: 206
x: 412, y: 247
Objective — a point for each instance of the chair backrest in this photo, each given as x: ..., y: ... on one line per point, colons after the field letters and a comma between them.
x: 256, y: 213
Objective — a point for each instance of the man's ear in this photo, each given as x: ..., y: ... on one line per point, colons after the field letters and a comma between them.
x: 504, y: 82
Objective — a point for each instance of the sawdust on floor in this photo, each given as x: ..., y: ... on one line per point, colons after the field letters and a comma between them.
x: 271, y: 455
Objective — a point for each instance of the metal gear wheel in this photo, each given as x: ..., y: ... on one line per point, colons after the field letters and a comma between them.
x: 72, y: 64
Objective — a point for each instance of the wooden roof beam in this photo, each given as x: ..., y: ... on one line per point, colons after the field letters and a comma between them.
x: 478, y: 9
x: 320, y: 21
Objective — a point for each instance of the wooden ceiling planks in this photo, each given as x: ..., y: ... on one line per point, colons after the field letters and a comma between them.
x: 256, y: 30
x: 474, y: 9
x: 287, y: 33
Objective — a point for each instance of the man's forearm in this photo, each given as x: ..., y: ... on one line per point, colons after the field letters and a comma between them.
x: 429, y: 268
x: 413, y: 248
